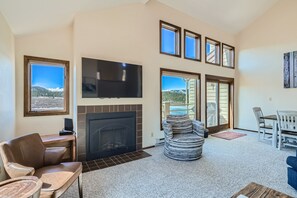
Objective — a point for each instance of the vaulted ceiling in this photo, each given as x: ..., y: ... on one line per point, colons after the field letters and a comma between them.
x: 229, y: 15
x: 29, y: 16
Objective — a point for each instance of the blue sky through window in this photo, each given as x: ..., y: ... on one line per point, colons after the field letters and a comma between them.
x: 168, y: 41
x: 47, y: 76
x: 172, y: 83
x: 207, y: 48
x: 190, y: 47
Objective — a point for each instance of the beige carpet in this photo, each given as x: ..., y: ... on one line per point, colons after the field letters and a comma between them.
x: 225, y: 168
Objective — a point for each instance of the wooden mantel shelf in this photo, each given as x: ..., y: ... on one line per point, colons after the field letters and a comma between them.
x: 68, y: 141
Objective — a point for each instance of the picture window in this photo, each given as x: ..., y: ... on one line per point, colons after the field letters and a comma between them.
x: 192, y: 43
x: 46, y: 86
x: 212, y: 51
x: 170, y: 39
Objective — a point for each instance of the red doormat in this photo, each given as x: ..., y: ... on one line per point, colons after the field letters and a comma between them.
x: 228, y: 135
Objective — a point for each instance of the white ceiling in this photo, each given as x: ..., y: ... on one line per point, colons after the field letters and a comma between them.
x: 229, y: 15
x: 29, y: 16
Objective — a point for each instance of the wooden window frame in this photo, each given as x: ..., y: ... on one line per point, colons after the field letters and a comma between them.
x: 198, y: 92
x: 197, y: 38
x: 27, y: 86
x: 233, y: 49
x: 176, y: 29
x: 220, y: 79
x: 219, y: 52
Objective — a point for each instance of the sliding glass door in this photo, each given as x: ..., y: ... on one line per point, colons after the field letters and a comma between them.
x: 218, y: 103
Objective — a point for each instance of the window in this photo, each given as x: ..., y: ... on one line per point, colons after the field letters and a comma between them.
x: 228, y: 56
x: 212, y: 51
x: 192, y: 45
x: 46, y: 86
x: 180, y: 93
x: 170, y: 38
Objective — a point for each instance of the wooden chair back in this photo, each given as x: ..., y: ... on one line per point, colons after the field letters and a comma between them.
x: 258, y: 113
x: 287, y: 120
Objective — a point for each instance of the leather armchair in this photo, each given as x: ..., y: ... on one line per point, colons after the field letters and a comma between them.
x: 292, y: 171
x: 26, y: 156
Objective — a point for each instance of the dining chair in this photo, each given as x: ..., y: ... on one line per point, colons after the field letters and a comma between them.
x: 287, y: 125
x: 264, y: 128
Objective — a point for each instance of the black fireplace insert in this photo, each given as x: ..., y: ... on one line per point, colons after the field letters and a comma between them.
x: 110, y: 134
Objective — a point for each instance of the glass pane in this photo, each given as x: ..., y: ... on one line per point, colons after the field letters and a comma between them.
x: 224, y: 103
x: 178, y: 96
x: 47, y: 87
x: 211, y: 53
x: 191, y: 47
x: 228, y: 57
x: 168, y: 41
x: 212, y: 104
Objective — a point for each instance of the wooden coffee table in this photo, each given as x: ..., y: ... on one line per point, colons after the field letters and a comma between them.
x: 254, y: 190
x: 21, y: 187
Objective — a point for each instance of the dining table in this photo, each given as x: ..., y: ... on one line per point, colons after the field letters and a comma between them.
x: 273, y: 118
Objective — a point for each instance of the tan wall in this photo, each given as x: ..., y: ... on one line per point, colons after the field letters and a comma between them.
x: 55, y: 44
x: 7, y: 81
x: 127, y: 33
x: 131, y: 34
x: 260, y: 74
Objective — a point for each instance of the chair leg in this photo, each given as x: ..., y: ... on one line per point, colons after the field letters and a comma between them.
x: 259, y: 133
x: 279, y: 140
x: 80, y: 190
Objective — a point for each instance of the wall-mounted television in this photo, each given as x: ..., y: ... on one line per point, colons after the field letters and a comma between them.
x: 108, y: 79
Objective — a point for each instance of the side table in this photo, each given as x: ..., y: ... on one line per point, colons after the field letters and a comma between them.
x: 67, y: 141
x: 254, y: 190
x: 21, y: 187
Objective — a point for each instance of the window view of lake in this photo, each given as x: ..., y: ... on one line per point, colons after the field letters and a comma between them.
x: 178, y: 96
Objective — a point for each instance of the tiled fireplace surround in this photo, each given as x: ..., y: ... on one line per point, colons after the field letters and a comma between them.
x: 81, y: 123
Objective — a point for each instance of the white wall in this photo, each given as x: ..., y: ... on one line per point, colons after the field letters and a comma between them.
x: 7, y: 82
x: 55, y: 44
x: 260, y: 73
x: 131, y: 34
x: 126, y: 33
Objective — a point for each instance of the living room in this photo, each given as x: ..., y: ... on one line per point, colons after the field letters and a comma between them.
x: 129, y: 32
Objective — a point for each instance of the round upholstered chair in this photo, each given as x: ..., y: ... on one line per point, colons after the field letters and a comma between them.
x: 184, y: 138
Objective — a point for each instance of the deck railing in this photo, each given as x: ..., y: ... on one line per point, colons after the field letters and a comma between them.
x: 169, y: 108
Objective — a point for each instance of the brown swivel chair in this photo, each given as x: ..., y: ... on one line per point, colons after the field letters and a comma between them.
x: 26, y: 156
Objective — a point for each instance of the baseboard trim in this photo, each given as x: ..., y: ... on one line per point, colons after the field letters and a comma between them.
x: 247, y: 130
x: 148, y: 147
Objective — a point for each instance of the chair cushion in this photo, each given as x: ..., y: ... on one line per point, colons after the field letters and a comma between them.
x: 292, y: 161
x: 58, y: 178
x: 186, y: 140
x: 180, y: 123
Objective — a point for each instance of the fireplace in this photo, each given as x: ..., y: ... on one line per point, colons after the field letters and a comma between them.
x: 110, y: 134
x: 83, y: 111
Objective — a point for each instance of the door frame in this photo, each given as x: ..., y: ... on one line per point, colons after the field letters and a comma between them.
x: 220, y: 79
x: 198, y: 92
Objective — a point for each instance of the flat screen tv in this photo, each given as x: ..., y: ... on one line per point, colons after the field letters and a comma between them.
x: 108, y: 79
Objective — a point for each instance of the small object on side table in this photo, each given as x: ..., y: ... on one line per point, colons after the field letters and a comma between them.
x: 21, y: 187
x: 66, y: 132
